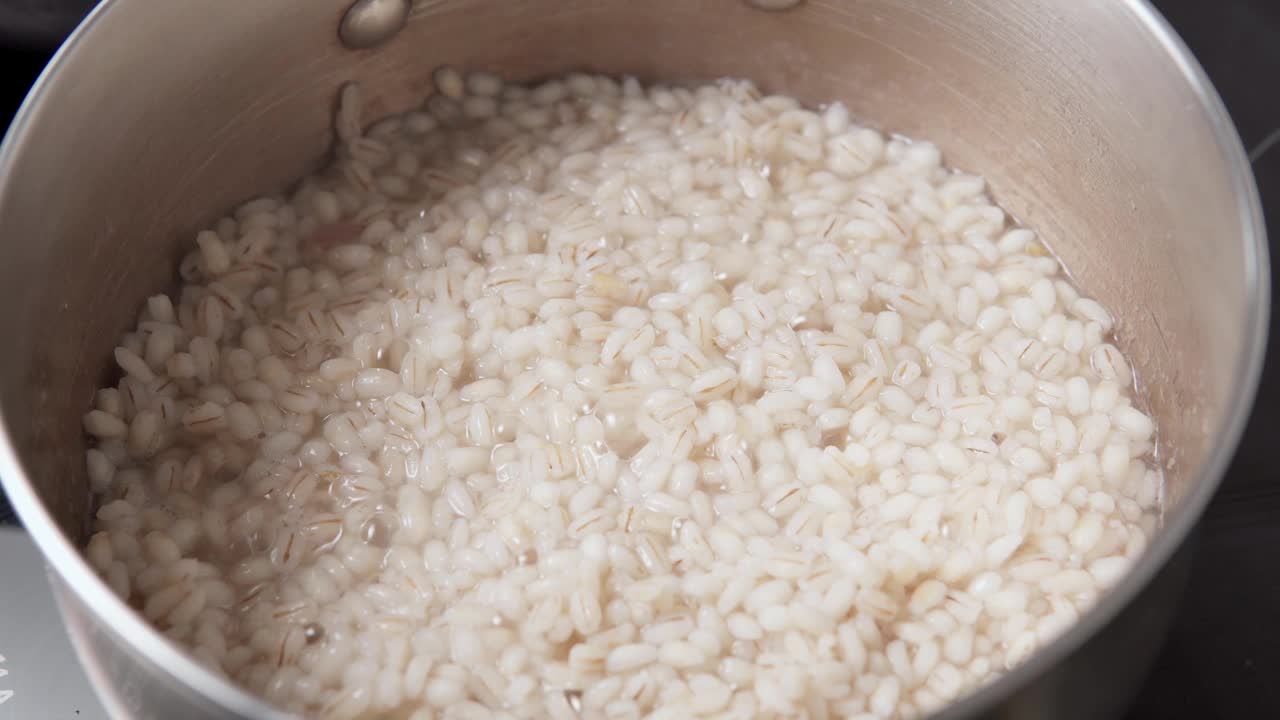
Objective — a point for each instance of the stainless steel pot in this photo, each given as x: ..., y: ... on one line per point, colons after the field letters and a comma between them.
x: 1090, y: 120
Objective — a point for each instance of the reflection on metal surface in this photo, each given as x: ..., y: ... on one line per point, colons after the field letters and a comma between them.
x: 1267, y: 143
x: 370, y: 23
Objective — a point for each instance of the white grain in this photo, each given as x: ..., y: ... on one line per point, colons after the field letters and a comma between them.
x: 591, y: 399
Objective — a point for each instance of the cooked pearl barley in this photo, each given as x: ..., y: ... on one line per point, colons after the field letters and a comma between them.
x: 591, y: 400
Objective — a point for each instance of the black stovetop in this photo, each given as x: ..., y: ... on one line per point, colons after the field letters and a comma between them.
x: 1222, y: 656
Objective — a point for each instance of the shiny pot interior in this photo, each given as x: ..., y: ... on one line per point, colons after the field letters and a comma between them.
x: 1089, y: 120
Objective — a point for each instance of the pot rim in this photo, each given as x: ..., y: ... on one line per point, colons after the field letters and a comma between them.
x: 94, y: 594
x: 1248, y: 373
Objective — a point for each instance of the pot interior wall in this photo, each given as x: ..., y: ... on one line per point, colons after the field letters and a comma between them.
x: 1082, y: 126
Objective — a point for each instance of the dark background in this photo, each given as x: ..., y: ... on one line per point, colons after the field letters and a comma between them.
x: 1222, y: 657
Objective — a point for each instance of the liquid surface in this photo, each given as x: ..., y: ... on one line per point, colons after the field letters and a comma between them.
x: 592, y: 400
